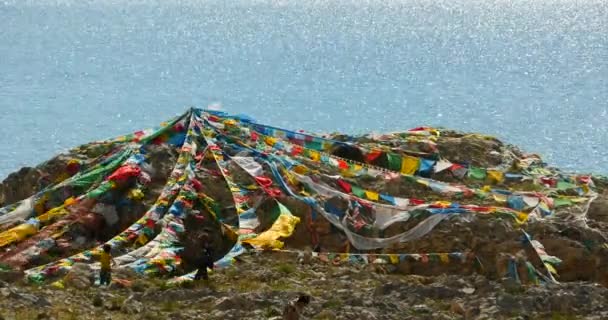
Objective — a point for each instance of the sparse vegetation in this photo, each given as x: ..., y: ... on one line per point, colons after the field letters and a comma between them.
x: 260, y: 288
x: 285, y: 268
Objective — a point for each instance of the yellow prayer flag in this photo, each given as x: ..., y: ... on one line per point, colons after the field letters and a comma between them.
x: 500, y: 197
x: 300, y: 169
x: 443, y: 204
x: 142, y: 239
x: 394, y: 258
x: 495, y: 176
x: 444, y: 257
x: 230, y: 122
x: 315, y: 156
x: 409, y: 165
x: 283, y: 227
x: 371, y: 195
x: 69, y: 201
x: 426, y: 182
x: 270, y: 141
x: 522, y: 217
x: 58, y: 284
x: 291, y: 179
x: 550, y: 268
x: 53, y: 213
x: 62, y: 176
x: 347, y: 173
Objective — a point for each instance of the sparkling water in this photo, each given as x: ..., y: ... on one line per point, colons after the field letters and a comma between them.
x: 533, y: 73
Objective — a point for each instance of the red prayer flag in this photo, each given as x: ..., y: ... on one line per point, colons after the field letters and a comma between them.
x: 373, y: 155
x: 345, y: 186
x: 265, y: 182
x: 416, y: 202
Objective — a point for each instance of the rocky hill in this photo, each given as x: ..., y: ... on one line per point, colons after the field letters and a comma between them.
x: 426, y: 223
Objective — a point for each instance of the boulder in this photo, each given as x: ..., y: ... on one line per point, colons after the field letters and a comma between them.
x: 81, y: 276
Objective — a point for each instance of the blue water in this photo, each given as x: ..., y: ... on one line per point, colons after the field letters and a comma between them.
x: 534, y: 73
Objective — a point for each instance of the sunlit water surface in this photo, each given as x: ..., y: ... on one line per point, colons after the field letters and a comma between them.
x: 534, y: 73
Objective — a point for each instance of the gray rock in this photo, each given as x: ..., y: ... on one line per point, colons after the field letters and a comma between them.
x: 5, y: 292
x: 38, y: 302
x: 132, y: 306
x: 422, y: 308
x: 306, y: 258
x: 81, y: 276
x: 112, y: 304
x: 511, y: 285
x: 367, y: 315
x: 508, y: 303
x: 457, y: 308
x: 233, y: 302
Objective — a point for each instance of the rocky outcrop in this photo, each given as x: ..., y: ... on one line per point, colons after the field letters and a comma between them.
x: 27, y: 181
x: 478, y: 150
x: 489, y: 274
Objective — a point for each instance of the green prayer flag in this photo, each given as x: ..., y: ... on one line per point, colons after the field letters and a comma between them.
x: 394, y: 161
x: 102, y: 189
x: 564, y: 185
x: 314, y: 145
x: 87, y: 178
x: 358, y: 192
x: 477, y: 173
x: 561, y: 202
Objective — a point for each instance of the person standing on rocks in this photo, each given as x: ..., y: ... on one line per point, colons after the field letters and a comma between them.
x: 106, y: 260
x: 294, y: 309
x: 206, y: 260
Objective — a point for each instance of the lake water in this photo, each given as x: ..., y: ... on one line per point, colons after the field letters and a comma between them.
x: 534, y: 73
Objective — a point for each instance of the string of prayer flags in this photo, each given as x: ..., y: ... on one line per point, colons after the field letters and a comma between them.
x: 392, y: 258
